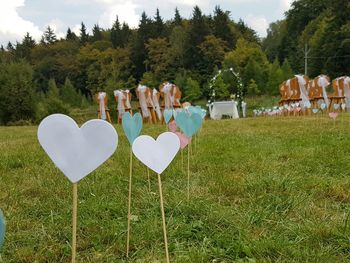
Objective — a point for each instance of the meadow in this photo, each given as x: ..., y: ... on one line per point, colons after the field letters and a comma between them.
x: 262, y: 190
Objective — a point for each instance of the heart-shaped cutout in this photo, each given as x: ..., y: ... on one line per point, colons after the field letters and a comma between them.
x: 323, y: 106
x: 132, y: 126
x: 343, y: 106
x: 172, y: 126
x: 77, y: 151
x: 198, y: 110
x: 156, y: 154
x: 189, y: 124
x: 168, y: 113
x: 336, y: 106
x: 315, y: 110
x: 333, y: 115
x: 2, y: 228
x: 184, y: 140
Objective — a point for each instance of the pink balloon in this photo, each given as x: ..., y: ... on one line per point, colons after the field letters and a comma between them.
x: 333, y: 115
x: 172, y: 126
x: 184, y: 140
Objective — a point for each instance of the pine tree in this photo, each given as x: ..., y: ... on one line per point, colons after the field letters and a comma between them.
x: 221, y: 89
x: 53, y: 102
x: 125, y: 35
x: 28, y: 41
x: 23, y: 50
x: 221, y: 26
x: 177, y: 18
x: 198, y: 30
x: 275, y: 77
x: 159, y: 28
x: 116, y: 33
x: 96, y: 33
x: 252, y: 71
x: 70, y: 36
x: 49, y: 36
x: 69, y: 94
x: 52, y: 90
x: 287, y: 70
x: 84, y: 37
x: 192, y: 90
x: 139, y: 54
x: 10, y: 47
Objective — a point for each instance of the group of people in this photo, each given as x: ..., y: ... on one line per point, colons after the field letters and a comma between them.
x: 151, y: 102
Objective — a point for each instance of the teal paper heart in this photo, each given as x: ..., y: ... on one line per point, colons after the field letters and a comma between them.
x: 336, y: 106
x: 197, y: 110
x: 323, y: 106
x: 314, y: 110
x: 2, y: 228
x: 132, y: 126
x: 204, y: 113
x: 189, y: 124
x: 168, y: 113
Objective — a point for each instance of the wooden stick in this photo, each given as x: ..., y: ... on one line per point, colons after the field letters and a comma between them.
x: 163, y: 218
x: 74, y: 231
x: 195, y: 143
x: 149, y: 181
x: 129, y: 206
x: 182, y: 159
x: 188, y: 172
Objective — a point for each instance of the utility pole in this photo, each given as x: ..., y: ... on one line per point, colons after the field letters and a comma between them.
x: 306, y: 53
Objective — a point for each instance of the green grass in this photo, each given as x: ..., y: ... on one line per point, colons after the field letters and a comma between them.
x: 262, y: 190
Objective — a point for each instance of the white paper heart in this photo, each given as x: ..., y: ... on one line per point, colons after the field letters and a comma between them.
x: 77, y: 151
x: 156, y: 154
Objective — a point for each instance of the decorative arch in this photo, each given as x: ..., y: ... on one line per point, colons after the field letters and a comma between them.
x: 237, y: 79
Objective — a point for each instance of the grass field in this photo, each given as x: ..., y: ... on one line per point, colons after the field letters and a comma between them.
x: 262, y: 190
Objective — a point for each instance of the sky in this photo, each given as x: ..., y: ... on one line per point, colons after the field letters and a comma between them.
x: 20, y: 16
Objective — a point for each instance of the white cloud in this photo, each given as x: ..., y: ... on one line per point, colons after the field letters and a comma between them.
x: 126, y: 12
x: 286, y: 4
x: 12, y: 26
x: 191, y: 3
x: 58, y: 27
x: 76, y: 29
x: 258, y: 23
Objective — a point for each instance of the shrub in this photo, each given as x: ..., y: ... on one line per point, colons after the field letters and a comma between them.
x: 16, y: 92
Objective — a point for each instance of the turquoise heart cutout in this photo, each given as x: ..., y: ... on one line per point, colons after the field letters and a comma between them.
x: 189, y: 124
x: 323, y: 106
x: 314, y: 110
x: 198, y: 110
x: 336, y: 106
x: 168, y: 113
x: 204, y: 113
x: 2, y: 228
x: 132, y: 126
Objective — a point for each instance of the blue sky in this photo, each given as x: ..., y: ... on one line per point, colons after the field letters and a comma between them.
x: 20, y: 16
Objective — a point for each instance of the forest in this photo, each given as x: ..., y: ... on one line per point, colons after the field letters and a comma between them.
x: 55, y: 75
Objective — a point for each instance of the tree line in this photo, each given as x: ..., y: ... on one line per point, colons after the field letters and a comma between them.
x: 67, y: 72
